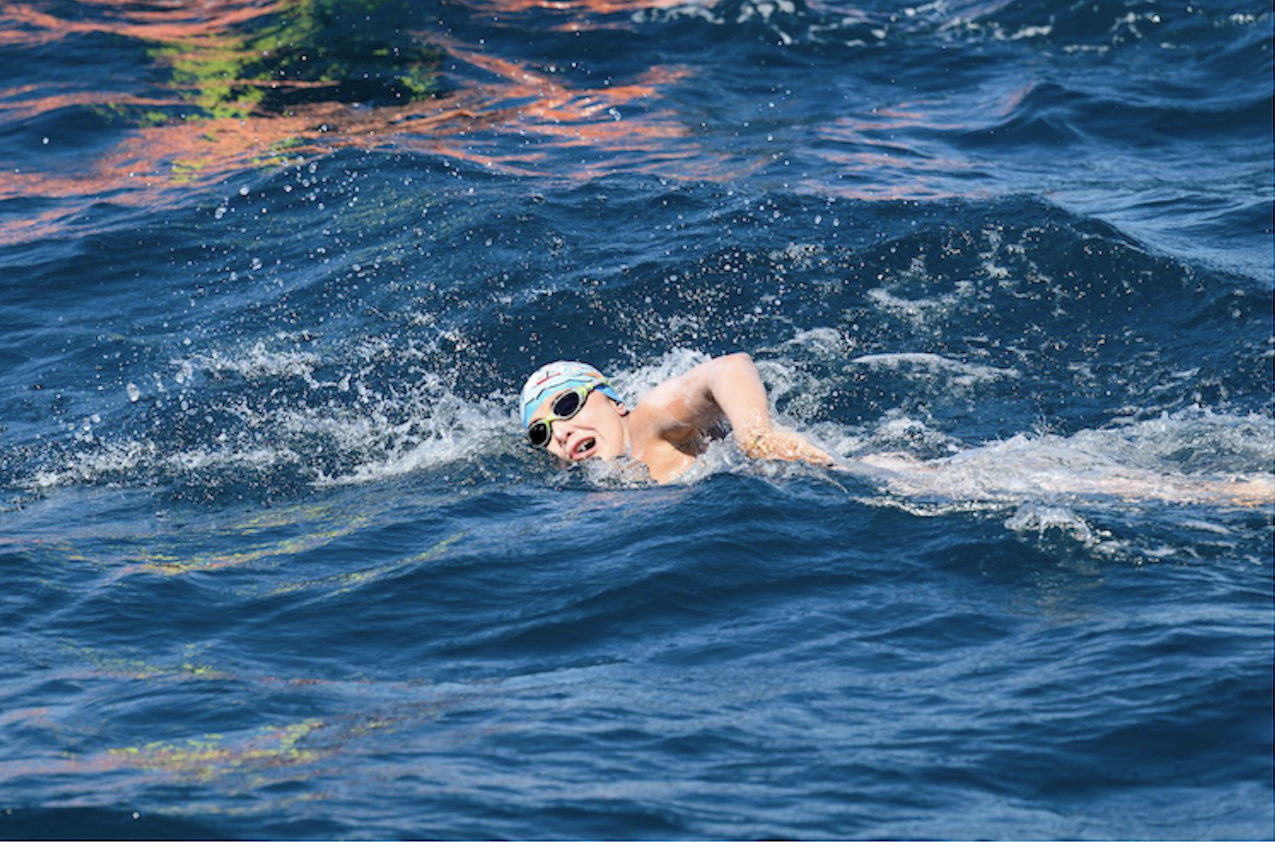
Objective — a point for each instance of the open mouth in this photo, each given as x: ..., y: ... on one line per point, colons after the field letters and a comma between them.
x: 584, y: 448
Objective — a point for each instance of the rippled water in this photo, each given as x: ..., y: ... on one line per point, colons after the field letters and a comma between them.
x: 278, y: 563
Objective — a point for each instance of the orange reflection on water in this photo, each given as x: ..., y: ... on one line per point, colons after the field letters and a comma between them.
x: 519, y: 121
x: 148, y: 22
x: 151, y: 167
x: 515, y: 119
x: 149, y: 162
x: 577, y: 116
x: 16, y: 104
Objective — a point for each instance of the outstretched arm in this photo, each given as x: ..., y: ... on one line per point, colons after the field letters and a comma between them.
x: 730, y: 387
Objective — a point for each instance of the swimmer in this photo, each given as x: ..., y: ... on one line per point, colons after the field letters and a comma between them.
x: 572, y: 411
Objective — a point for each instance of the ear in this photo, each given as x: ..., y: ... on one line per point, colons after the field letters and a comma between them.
x: 622, y: 409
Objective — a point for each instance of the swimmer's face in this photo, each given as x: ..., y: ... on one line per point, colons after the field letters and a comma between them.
x: 595, y: 432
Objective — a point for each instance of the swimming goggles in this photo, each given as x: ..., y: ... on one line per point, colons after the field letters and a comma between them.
x: 564, y: 406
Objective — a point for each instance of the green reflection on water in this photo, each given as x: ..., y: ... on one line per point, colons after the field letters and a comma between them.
x: 300, y: 53
x: 312, y: 51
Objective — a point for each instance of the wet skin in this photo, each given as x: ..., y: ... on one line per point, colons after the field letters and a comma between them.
x: 670, y: 425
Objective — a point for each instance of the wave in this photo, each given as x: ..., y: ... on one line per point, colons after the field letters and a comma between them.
x: 390, y: 340
x: 1053, y: 114
x: 276, y: 448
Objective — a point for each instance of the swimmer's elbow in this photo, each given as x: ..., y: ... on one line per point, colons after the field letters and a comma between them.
x: 732, y: 367
x: 737, y: 390
x: 718, y: 377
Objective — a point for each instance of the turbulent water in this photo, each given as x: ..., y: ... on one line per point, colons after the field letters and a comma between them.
x: 278, y: 562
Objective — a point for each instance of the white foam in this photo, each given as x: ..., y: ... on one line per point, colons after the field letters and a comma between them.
x: 430, y: 428
x: 931, y: 365
x: 106, y: 459
x: 364, y: 438
x: 256, y: 363
x: 920, y: 311
x: 1043, y: 519
x: 197, y: 460
x: 821, y: 343
x: 432, y: 446
x: 1132, y: 463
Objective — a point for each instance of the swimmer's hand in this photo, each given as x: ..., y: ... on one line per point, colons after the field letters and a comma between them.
x: 783, y: 445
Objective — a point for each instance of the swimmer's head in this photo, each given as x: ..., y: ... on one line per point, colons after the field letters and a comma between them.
x: 556, y: 377
x: 571, y: 411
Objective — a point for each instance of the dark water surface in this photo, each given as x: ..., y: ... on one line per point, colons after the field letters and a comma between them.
x: 278, y: 564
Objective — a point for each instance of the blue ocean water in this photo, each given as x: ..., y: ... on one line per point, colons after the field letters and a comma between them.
x: 278, y: 563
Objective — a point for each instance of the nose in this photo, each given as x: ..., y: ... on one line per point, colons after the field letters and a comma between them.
x: 561, y: 431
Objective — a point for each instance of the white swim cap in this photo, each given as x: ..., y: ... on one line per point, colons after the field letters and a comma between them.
x: 551, y: 379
